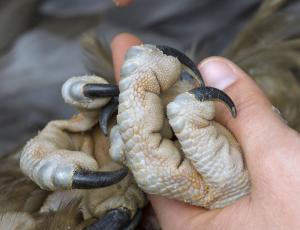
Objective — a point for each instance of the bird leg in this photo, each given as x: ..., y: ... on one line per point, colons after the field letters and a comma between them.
x: 158, y: 166
x: 54, y: 159
x: 210, y: 147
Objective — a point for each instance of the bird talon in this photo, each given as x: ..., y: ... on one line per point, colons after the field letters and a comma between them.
x: 83, y: 179
x: 97, y: 90
x: 116, y: 219
x: 88, y: 92
x: 106, y: 113
x: 210, y: 93
x: 100, y: 90
x: 184, y: 60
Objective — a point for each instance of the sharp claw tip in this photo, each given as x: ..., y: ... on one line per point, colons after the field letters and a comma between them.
x: 83, y: 179
x: 99, y: 90
x: 104, y: 129
x: 184, y: 59
x: 234, y: 112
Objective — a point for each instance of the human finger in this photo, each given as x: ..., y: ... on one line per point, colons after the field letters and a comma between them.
x: 257, y: 127
x: 122, y: 3
x: 120, y: 44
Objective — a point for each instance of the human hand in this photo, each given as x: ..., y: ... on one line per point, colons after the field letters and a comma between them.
x: 270, y: 150
x: 122, y: 3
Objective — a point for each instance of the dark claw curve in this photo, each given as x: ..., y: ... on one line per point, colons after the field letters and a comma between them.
x: 96, y: 90
x: 106, y: 113
x: 183, y: 59
x: 135, y: 220
x: 83, y: 179
x: 115, y: 219
x: 210, y: 93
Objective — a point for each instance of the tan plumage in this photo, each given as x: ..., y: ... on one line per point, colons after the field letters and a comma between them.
x: 97, y: 57
x: 16, y: 221
x: 268, y: 48
x: 68, y: 216
x: 21, y: 202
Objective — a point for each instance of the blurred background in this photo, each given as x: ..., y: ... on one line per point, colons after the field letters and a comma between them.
x: 40, y: 47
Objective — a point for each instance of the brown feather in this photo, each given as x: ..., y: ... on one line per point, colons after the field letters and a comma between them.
x: 18, y: 193
x: 16, y: 221
x: 66, y: 217
x: 97, y: 57
x: 21, y: 202
x: 269, y: 50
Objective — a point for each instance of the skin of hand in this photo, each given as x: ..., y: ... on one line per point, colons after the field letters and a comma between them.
x: 271, y: 150
x: 122, y: 3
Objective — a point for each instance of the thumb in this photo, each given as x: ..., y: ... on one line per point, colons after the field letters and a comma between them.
x: 258, y: 128
x: 120, y: 44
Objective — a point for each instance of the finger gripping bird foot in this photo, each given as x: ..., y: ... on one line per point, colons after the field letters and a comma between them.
x: 208, y: 169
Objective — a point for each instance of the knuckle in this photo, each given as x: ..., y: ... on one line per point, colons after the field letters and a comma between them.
x: 43, y: 174
x: 62, y: 176
x: 52, y: 173
x: 72, y: 92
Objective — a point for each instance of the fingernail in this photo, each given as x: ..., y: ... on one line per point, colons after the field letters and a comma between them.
x: 217, y: 73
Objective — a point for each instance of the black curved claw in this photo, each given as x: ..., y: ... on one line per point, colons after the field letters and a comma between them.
x: 115, y: 219
x: 100, y: 90
x: 83, y: 179
x: 185, y: 60
x: 135, y: 220
x: 106, y: 113
x: 210, y: 93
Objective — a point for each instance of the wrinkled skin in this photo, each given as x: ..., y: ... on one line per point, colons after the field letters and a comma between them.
x: 207, y: 170
x: 23, y: 205
x: 78, y: 143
